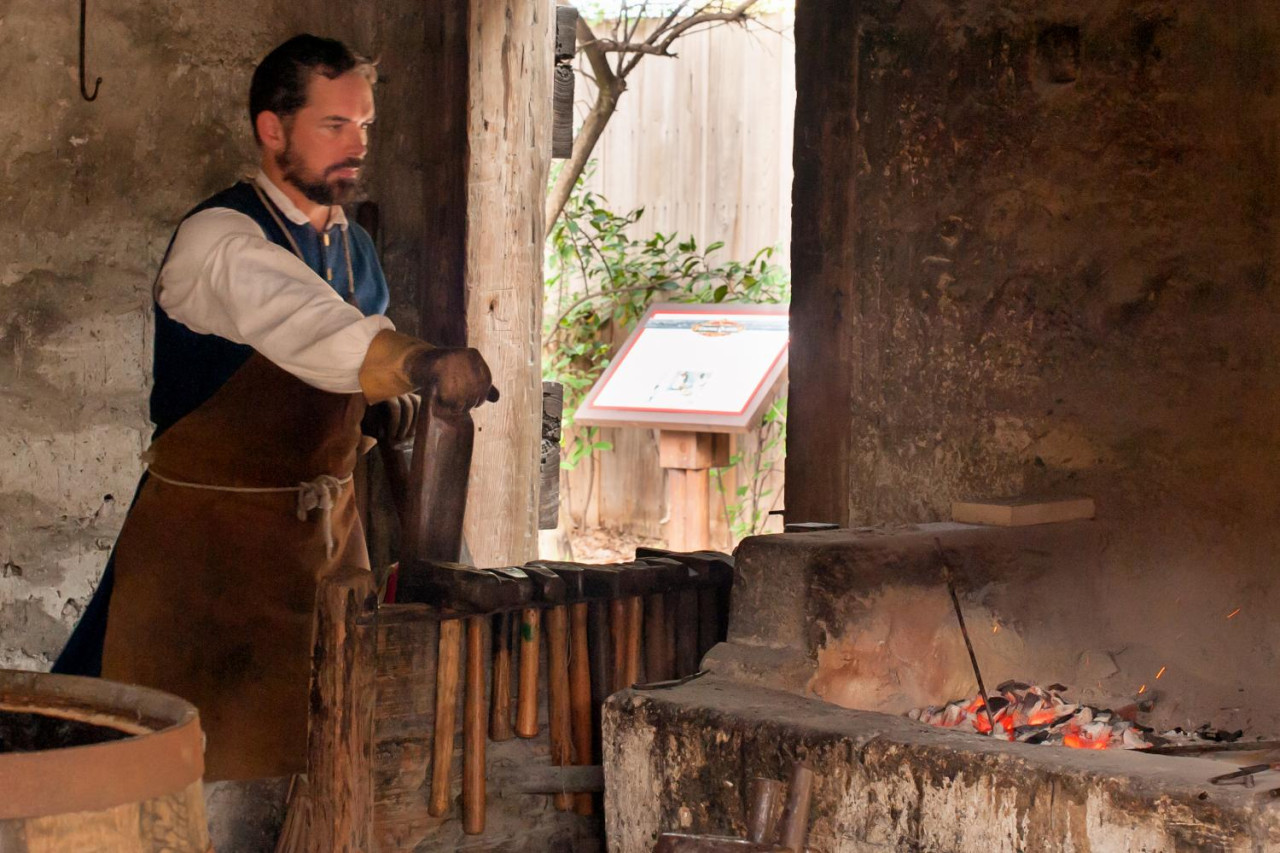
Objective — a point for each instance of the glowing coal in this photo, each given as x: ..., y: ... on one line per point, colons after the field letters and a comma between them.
x: 1033, y: 714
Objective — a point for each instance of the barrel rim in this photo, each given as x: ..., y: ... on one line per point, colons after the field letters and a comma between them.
x: 163, y: 754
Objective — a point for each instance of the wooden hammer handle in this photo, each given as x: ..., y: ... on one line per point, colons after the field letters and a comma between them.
x: 657, y: 661
x: 500, y: 695
x: 473, y: 731
x: 631, y: 660
x: 447, y: 672
x: 580, y: 695
x: 558, y: 693
x: 527, y: 692
x: 618, y: 642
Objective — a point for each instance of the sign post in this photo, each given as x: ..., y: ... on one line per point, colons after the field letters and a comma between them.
x: 697, y: 374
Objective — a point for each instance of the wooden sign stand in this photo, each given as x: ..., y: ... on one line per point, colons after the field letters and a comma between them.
x: 697, y: 374
x: 688, y: 458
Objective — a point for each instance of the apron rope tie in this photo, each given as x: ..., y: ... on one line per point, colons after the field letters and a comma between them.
x: 322, y: 493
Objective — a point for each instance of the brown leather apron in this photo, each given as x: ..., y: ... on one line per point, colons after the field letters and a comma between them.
x: 215, y: 589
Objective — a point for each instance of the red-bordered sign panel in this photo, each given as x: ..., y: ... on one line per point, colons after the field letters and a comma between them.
x: 702, y: 368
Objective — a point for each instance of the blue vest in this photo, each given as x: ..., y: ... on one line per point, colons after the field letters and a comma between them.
x: 188, y: 368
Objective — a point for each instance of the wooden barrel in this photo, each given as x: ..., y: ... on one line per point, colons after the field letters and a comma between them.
x: 93, y: 765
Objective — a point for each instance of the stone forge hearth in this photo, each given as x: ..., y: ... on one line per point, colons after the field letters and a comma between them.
x: 835, y: 636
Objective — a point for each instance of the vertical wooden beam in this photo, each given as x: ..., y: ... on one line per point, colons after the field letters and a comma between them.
x: 442, y: 304
x: 825, y: 373
x: 509, y: 135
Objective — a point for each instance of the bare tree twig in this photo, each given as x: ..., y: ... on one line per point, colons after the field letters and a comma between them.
x: 611, y: 81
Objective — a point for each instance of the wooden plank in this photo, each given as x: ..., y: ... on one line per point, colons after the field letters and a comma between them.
x: 1020, y: 512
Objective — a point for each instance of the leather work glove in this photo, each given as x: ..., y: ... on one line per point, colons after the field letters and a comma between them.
x: 457, y: 377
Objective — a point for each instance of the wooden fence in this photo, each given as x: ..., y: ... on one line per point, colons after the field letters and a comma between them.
x: 702, y: 142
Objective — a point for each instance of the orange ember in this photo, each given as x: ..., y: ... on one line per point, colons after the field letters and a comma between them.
x: 1077, y: 740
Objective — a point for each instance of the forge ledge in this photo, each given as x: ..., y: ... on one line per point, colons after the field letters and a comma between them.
x: 681, y: 759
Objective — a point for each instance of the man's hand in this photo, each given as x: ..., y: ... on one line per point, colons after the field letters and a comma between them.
x: 394, y: 421
x: 456, y: 377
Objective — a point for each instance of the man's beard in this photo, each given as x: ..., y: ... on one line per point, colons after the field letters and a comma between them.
x: 316, y: 187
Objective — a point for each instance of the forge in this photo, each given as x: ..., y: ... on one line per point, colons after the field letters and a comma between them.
x: 837, y: 636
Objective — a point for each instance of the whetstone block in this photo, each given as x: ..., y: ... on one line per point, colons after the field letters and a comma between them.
x: 1020, y: 512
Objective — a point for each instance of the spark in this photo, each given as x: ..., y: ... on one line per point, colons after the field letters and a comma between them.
x: 1161, y: 672
x: 1142, y: 689
x: 1232, y: 614
x: 995, y: 627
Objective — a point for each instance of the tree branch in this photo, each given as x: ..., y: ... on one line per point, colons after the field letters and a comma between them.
x: 739, y: 13
x: 611, y: 83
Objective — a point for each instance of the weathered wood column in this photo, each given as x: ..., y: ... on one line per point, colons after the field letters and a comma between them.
x: 512, y: 56
x: 825, y: 370
x: 490, y: 80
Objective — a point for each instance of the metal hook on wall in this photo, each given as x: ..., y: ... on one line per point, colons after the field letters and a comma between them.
x: 84, y: 91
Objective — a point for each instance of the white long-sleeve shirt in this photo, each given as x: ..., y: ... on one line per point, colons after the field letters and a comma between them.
x: 224, y: 277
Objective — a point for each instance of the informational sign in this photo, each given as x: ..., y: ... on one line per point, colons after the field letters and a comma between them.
x: 702, y: 368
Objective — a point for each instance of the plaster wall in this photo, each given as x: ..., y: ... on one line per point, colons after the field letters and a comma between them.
x: 90, y: 195
x: 1035, y: 252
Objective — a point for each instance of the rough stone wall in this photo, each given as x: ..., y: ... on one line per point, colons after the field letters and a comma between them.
x: 1059, y: 268
x: 90, y: 196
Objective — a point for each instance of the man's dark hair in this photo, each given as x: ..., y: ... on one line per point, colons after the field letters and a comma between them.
x: 280, y: 81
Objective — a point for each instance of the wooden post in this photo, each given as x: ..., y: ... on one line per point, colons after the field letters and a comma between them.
x: 339, y: 796
x: 834, y: 353
x: 688, y: 458
x: 509, y: 139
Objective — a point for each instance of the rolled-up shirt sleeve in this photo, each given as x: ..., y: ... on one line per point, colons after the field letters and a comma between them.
x: 223, y: 277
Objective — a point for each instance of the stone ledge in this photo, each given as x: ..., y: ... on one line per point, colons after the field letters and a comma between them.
x: 681, y: 758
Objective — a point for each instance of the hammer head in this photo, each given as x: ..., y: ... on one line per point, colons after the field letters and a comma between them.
x: 570, y: 574
x: 666, y: 574
x: 463, y: 588
x: 548, y: 587
x: 712, y: 568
